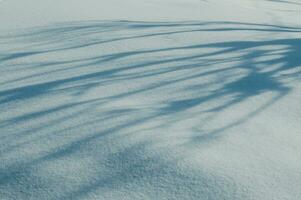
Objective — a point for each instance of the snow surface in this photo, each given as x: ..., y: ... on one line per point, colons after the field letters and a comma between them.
x: 150, y: 99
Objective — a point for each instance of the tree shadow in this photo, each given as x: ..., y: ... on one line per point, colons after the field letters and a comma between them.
x: 74, y: 89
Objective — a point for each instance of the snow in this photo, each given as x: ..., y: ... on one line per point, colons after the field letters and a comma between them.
x: 150, y: 99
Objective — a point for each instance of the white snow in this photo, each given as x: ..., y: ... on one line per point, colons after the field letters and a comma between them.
x: 150, y: 99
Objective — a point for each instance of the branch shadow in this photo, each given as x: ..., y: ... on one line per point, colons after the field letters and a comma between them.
x: 102, y: 90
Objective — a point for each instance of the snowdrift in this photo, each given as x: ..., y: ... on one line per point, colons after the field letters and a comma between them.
x: 150, y: 99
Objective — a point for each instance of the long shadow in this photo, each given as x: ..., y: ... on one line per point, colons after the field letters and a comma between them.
x: 101, y: 86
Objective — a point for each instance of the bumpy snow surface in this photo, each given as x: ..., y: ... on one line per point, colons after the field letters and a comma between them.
x: 150, y: 99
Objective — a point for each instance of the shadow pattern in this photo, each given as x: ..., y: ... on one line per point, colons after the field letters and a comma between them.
x: 84, y: 105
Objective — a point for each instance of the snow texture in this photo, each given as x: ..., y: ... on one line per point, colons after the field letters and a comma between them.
x: 150, y: 99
